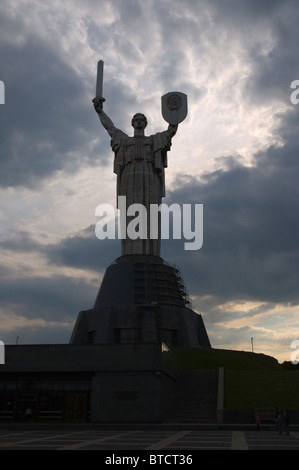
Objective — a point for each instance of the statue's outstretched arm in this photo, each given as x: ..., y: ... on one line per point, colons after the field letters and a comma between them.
x: 172, y: 130
x: 105, y: 120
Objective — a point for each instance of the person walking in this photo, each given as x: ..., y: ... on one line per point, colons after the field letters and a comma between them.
x: 286, y: 422
x: 279, y: 422
x: 28, y: 414
x: 258, y: 422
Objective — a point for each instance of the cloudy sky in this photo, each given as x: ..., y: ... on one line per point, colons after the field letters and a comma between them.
x: 237, y: 153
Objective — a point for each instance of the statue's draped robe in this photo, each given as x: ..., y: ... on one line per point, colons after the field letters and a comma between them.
x: 139, y: 165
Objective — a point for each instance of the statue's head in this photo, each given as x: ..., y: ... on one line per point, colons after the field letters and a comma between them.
x: 139, y: 121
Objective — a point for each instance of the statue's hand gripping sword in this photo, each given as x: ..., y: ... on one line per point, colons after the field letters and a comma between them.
x: 98, y: 100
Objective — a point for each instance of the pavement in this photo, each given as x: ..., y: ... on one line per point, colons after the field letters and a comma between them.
x: 172, y: 440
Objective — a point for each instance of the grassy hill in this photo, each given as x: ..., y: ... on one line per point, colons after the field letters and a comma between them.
x: 256, y: 388
x: 215, y: 358
x: 250, y: 380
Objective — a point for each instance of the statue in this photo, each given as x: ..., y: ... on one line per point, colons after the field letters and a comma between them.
x: 141, y: 299
x: 139, y: 164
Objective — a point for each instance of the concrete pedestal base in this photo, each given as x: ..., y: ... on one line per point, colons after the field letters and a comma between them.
x: 141, y: 300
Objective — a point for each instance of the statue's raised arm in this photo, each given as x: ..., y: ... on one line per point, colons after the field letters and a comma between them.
x: 105, y: 120
x: 172, y: 128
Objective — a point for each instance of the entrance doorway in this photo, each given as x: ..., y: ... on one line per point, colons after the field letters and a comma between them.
x: 76, y: 406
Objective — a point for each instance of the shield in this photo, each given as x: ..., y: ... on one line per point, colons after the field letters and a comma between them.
x: 174, y: 107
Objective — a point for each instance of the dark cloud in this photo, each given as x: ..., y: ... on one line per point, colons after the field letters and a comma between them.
x: 247, y: 10
x: 84, y: 251
x: 79, y: 251
x: 268, y: 31
x: 48, y: 123
x: 50, y: 303
x: 251, y: 226
x: 52, y: 298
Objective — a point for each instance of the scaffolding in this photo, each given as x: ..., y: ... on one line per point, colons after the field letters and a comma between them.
x: 158, y: 283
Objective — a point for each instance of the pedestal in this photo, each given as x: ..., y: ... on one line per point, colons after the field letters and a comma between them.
x: 142, y: 299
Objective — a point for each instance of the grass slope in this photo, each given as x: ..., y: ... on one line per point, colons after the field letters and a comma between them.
x: 250, y: 380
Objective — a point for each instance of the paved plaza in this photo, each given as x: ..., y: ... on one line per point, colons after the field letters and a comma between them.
x: 153, y: 440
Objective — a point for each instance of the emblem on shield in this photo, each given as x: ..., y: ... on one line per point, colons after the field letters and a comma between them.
x: 174, y: 107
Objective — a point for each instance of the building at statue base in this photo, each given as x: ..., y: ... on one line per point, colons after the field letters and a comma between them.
x: 81, y: 383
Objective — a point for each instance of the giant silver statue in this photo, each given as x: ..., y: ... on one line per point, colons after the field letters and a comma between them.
x: 139, y: 162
